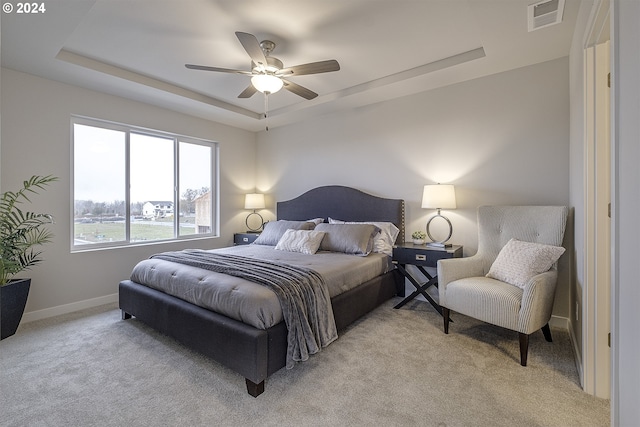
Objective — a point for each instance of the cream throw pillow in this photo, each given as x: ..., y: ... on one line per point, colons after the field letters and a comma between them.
x: 519, y: 261
x: 303, y: 241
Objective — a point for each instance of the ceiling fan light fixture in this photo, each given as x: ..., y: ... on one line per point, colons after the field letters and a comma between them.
x: 267, y: 72
x: 267, y: 83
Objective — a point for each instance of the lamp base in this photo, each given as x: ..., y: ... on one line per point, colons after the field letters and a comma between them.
x: 441, y: 243
x: 261, y: 223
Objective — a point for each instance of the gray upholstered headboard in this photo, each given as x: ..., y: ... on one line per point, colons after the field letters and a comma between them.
x: 343, y: 203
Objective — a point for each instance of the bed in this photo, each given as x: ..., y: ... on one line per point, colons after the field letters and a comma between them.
x: 256, y: 352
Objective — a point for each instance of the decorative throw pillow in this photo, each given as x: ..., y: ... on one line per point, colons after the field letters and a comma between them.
x: 303, y: 241
x: 355, y: 239
x: 519, y: 261
x: 316, y: 221
x: 274, y: 230
x: 382, y: 242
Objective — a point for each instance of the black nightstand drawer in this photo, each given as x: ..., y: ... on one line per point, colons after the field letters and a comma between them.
x: 244, y: 238
x: 424, y: 255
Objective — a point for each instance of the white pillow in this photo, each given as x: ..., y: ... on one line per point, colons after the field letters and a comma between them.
x: 382, y: 242
x: 519, y: 261
x: 303, y: 241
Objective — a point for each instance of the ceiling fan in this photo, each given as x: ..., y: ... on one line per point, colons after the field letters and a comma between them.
x: 268, y: 73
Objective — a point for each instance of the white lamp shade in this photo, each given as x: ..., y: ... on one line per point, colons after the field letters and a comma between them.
x: 439, y: 196
x: 254, y: 201
x: 266, y: 83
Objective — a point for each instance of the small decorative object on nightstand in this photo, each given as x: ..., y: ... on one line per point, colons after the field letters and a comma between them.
x: 244, y: 238
x: 422, y: 256
x: 418, y: 237
x: 439, y: 197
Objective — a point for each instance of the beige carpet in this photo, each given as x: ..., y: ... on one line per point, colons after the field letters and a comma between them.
x: 393, y: 367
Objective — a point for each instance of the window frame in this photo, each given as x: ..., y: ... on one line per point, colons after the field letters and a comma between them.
x: 177, y: 139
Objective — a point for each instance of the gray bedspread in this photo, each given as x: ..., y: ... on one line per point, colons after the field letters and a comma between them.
x: 249, y: 302
x: 301, y: 291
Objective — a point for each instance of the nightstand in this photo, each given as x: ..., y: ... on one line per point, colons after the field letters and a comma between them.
x: 422, y: 256
x: 244, y: 238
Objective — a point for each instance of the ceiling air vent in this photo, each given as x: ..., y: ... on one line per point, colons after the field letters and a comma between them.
x: 544, y: 14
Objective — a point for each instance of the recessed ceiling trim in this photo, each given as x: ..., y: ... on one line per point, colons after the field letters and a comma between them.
x: 418, y: 71
x: 112, y: 70
x: 598, y: 27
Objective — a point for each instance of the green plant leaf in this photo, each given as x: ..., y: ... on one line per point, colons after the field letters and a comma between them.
x: 22, y: 232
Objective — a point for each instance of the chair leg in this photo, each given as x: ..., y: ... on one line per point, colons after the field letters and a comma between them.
x: 445, y: 316
x: 524, y: 348
x: 547, y: 333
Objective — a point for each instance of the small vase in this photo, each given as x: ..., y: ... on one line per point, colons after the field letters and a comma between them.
x: 418, y: 241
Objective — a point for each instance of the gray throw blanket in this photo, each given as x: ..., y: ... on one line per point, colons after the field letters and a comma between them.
x: 302, y: 293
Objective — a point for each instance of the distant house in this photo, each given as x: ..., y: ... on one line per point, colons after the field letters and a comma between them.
x: 203, y: 213
x: 157, y: 209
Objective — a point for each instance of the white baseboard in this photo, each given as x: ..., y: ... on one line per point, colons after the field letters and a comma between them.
x: 559, y: 322
x: 577, y: 355
x: 565, y: 323
x: 68, y: 308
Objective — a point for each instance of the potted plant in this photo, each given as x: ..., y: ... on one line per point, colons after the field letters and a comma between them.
x: 418, y: 237
x: 21, y: 233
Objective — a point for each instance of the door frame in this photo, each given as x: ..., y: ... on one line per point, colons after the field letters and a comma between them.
x: 596, y: 293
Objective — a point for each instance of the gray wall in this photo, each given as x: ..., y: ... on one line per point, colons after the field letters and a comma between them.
x: 501, y: 139
x: 626, y: 203
x: 36, y: 140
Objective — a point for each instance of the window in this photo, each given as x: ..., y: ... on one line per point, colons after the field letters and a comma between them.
x: 133, y: 185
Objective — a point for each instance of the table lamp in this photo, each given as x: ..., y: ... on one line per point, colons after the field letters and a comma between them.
x: 439, y: 196
x: 254, y: 201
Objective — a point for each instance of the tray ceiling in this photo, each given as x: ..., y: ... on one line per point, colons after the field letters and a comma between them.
x: 386, y: 49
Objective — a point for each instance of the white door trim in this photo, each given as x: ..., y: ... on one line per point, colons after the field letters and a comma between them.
x: 596, y: 312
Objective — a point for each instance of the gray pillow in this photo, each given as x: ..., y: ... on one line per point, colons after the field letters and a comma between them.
x: 383, y: 242
x: 356, y: 239
x: 274, y: 230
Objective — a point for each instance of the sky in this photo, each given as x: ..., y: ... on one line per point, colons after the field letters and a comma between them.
x: 99, y: 166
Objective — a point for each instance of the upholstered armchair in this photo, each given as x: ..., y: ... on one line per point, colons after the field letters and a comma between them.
x: 525, y: 304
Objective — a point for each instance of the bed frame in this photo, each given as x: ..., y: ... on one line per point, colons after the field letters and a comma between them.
x: 257, y: 353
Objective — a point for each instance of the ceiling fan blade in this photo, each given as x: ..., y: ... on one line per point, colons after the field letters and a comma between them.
x: 222, y: 70
x: 248, y: 92
x: 311, y: 68
x: 252, y: 46
x: 299, y: 90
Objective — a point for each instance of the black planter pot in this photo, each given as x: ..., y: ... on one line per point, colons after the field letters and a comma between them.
x: 13, y: 299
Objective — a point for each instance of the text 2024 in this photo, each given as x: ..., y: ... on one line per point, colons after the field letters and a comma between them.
x: 30, y: 8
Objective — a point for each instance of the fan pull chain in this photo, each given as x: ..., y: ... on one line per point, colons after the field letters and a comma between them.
x: 266, y: 109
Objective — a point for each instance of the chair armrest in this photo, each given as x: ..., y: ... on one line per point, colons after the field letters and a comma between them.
x: 451, y: 269
x: 537, y: 302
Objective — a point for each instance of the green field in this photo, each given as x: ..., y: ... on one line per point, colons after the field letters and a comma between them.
x: 115, y: 231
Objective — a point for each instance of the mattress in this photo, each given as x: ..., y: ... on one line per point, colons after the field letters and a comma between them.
x: 250, y: 302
